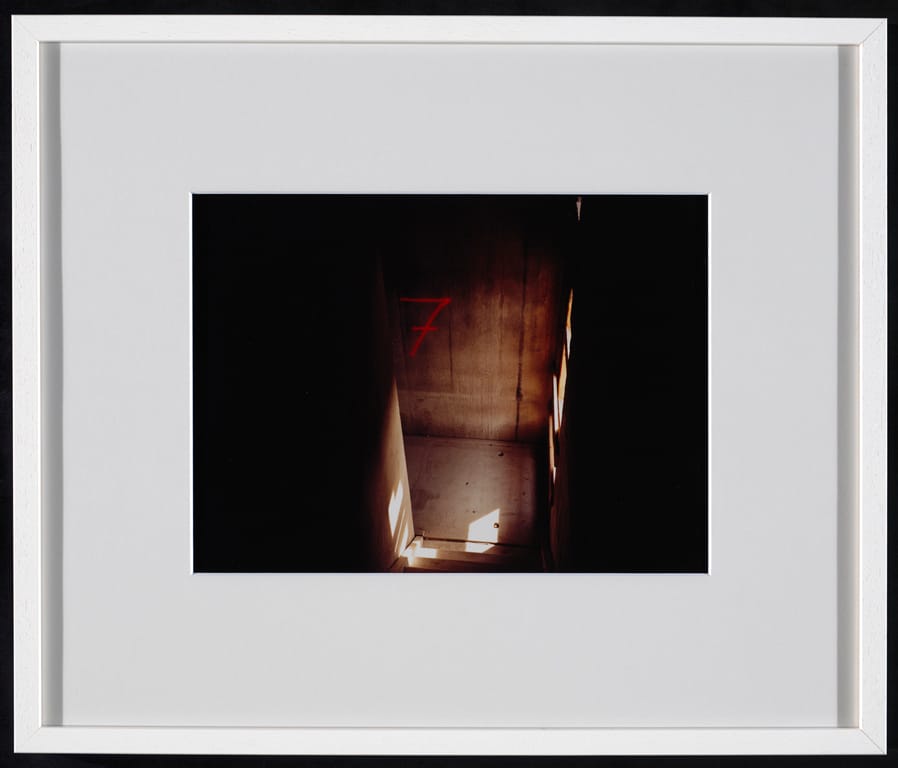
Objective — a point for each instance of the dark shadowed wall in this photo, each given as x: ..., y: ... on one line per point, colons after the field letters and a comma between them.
x: 298, y: 455
x: 631, y: 487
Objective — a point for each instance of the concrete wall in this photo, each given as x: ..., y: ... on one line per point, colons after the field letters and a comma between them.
x: 564, y: 525
x: 386, y: 498
x: 486, y: 371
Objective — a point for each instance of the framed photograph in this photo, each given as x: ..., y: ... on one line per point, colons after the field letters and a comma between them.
x: 449, y: 385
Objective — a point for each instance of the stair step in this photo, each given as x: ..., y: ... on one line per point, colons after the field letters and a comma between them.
x: 431, y: 553
x: 480, y: 548
x: 439, y: 565
x: 422, y: 554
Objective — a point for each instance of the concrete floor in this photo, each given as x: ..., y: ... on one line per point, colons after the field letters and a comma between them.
x: 462, y: 488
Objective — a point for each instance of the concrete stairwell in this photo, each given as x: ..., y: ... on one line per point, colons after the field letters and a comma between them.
x: 447, y: 555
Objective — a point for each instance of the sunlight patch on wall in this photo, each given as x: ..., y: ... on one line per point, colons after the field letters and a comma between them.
x: 486, y: 529
x: 395, y: 507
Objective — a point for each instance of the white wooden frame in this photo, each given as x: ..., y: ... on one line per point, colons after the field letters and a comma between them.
x: 30, y: 733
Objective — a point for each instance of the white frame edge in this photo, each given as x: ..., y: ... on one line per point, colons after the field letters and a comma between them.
x: 29, y: 732
x: 872, y: 416
x: 26, y: 385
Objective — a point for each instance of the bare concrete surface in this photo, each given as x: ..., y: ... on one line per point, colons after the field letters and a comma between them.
x: 473, y: 490
x: 485, y: 371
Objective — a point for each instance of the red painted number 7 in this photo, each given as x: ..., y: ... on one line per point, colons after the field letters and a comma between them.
x: 427, y: 327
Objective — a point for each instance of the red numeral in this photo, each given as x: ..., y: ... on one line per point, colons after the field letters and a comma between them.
x: 427, y: 327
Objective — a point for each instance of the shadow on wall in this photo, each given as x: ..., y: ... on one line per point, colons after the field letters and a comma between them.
x: 631, y: 482
x: 297, y: 439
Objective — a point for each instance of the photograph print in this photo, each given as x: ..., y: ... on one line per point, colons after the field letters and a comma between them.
x: 450, y: 383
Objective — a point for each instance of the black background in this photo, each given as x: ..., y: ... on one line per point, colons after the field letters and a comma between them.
x: 738, y: 8
x: 283, y: 367
x: 638, y: 386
